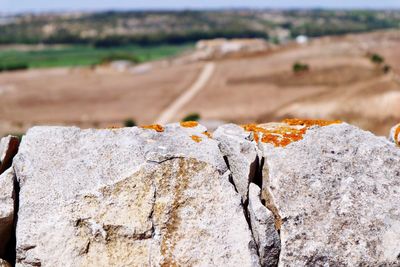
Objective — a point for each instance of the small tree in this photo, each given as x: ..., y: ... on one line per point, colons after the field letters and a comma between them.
x: 192, y: 117
x: 377, y: 59
x: 129, y: 123
x: 300, y: 67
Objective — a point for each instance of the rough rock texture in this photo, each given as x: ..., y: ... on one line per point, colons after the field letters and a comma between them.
x: 128, y: 197
x: 8, y: 149
x: 241, y: 154
x: 7, y: 198
x: 395, y: 134
x: 338, y: 194
x: 3, y: 263
x: 263, y: 227
x: 174, y: 196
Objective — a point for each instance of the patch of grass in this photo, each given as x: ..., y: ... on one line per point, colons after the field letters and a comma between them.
x: 192, y: 117
x: 129, y: 123
x: 85, y: 55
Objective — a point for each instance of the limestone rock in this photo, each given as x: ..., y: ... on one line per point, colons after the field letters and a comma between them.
x: 395, y: 134
x: 8, y: 149
x: 338, y: 193
x: 263, y: 227
x: 128, y: 197
x: 241, y: 154
x: 3, y: 263
x: 7, y: 197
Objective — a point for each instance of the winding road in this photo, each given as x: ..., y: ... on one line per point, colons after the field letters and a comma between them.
x: 169, y: 113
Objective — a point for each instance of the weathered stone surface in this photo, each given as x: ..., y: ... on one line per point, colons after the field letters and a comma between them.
x: 3, y: 263
x: 7, y: 198
x: 263, y: 226
x: 241, y: 154
x: 395, y: 134
x: 128, y: 197
x: 8, y: 149
x: 338, y: 194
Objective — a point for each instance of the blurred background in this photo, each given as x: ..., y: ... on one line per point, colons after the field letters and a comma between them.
x: 121, y: 63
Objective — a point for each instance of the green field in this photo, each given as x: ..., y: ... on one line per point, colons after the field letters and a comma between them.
x: 83, y: 55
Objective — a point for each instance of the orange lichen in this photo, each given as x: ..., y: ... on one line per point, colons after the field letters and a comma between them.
x: 207, y: 134
x: 189, y: 124
x: 155, y: 127
x: 309, y: 123
x: 396, y: 135
x: 113, y: 127
x: 196, y: 138
x: 291, y: 130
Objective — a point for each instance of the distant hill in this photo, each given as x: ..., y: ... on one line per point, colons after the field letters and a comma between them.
x: 172, y: 27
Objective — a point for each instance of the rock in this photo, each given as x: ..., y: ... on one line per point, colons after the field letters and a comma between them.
x: 3, y: 263
x: 128, y: 197
x: 241, y: 154
x: 8, y: 149
x: 395, y: 134
x: 263, y: 227
x: 7, y: 198
x: 337, y: 191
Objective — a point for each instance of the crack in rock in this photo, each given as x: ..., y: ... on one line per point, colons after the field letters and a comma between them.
x: 264, y: 232
x: 241, y: 155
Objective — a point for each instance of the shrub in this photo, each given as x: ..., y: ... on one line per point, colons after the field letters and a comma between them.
x: 377, y: 59
x: 129, y: 123
x: 192, y: 117
x: 13, y: 67
x: 300, y: 67
x: 386, y: 69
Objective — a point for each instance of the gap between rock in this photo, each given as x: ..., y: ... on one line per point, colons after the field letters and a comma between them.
x: 256, y: 177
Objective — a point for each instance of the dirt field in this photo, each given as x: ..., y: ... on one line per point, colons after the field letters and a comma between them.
x: 342, y: 83
x: 88, y: 98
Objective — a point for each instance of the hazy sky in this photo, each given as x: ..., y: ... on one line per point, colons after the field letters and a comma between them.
x: 60, y: 5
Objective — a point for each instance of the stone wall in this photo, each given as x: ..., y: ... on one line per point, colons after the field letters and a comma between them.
x: 295, y: 193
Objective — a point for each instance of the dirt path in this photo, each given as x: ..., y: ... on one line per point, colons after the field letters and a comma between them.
x: 168, y: 114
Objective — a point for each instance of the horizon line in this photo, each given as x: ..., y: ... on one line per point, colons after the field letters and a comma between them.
x: 165, y: 9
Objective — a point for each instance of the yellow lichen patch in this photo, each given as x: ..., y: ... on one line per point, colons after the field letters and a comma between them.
x: 282, y: 134
x: 189, y: 124
x: 196, y: 138
x: 309, y: 123
x: 156, y: 127
x: 207, y: 134
x: 396, y: 135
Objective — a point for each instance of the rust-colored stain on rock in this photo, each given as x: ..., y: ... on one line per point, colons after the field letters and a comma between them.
x: 209, y: 135
x: 396, y: 135
x: 196, y: 138
x: 309, y: 123
x: 290, y: 130
x: 156, y: 127
x: 189, y: 124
